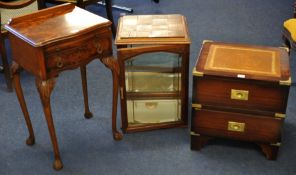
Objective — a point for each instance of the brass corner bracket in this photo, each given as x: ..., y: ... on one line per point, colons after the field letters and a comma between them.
x: 276, y: 144
x: 280, y: 115
x: 194, y: 133
x: 286, y: 48
x: 197, y: 73
x: 197, y: 106
x: 286, y: 82
x: 206, y: 41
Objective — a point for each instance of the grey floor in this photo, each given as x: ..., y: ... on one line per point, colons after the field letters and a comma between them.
x: 87, y: 146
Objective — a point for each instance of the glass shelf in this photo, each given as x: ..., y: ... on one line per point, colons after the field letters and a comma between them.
x: 153, y: 86
x: 153, y: 111
x: 153, y: 72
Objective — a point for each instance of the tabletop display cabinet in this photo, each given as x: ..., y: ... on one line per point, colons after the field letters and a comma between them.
x: 153, y: 54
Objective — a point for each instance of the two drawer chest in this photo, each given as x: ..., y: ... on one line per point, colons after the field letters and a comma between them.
x: 240, y: 92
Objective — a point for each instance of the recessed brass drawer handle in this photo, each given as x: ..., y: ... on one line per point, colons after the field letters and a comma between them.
x: 236, y: 126
x: 239, y: 94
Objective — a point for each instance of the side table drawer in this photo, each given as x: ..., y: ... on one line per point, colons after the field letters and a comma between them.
x: 236, y: 126
x: 79, y: 52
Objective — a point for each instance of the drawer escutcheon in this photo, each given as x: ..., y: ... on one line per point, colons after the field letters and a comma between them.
x: 239, y: 94
x: 236, y: 126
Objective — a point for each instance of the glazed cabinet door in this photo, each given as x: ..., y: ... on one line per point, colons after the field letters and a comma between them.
x: 153, y: 87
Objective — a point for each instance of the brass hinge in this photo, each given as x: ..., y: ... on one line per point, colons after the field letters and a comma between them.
x: 276, y: 144
x: 121, y: 93
x: 286, y: 82
x: 197, y: 106
x: 280, y: 115
x: 197, y: 73
x: 194, y: 133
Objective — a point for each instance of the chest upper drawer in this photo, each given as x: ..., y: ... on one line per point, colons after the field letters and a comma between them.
x: 240, y: 93
x: 77, y: 51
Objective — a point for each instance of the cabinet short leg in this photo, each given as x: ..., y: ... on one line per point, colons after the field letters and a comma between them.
x: 198, y: 141
x: 87, y: 113
x: 112, y: 64
x: 45, y: 88
x: 270, y: 151
x: 15, y: 69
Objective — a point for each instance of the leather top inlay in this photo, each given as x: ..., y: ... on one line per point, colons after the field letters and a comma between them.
x: 150, y: 26
x: 243, y: 60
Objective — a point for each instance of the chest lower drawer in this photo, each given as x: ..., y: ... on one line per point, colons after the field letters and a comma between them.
x: 240, y: 94
x: 236, y: 126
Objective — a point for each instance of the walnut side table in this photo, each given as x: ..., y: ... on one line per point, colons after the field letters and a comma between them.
x: 51, y: 41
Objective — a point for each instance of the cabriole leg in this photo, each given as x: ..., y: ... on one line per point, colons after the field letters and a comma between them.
x: 15, y: 70
x: 112, y: 64
x: 45, y: 88
x: 87, y: 113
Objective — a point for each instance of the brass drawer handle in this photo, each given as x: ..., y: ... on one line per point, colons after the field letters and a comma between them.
x: 59, y: 62
x: 239, y: 94
x: 236, y: 126
x: 99, y: 48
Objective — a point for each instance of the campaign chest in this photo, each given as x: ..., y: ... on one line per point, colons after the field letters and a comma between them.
x: 240, y: 92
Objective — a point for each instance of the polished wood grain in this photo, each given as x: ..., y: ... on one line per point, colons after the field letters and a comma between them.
x: 257, y: 70
x: 46, y: 53
x: 67, y: 22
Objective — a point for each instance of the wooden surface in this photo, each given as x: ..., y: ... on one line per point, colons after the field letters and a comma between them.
x: 224, y: 68
x: 51, y: 25
x: 56, y: 42
x: 152, y: 29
